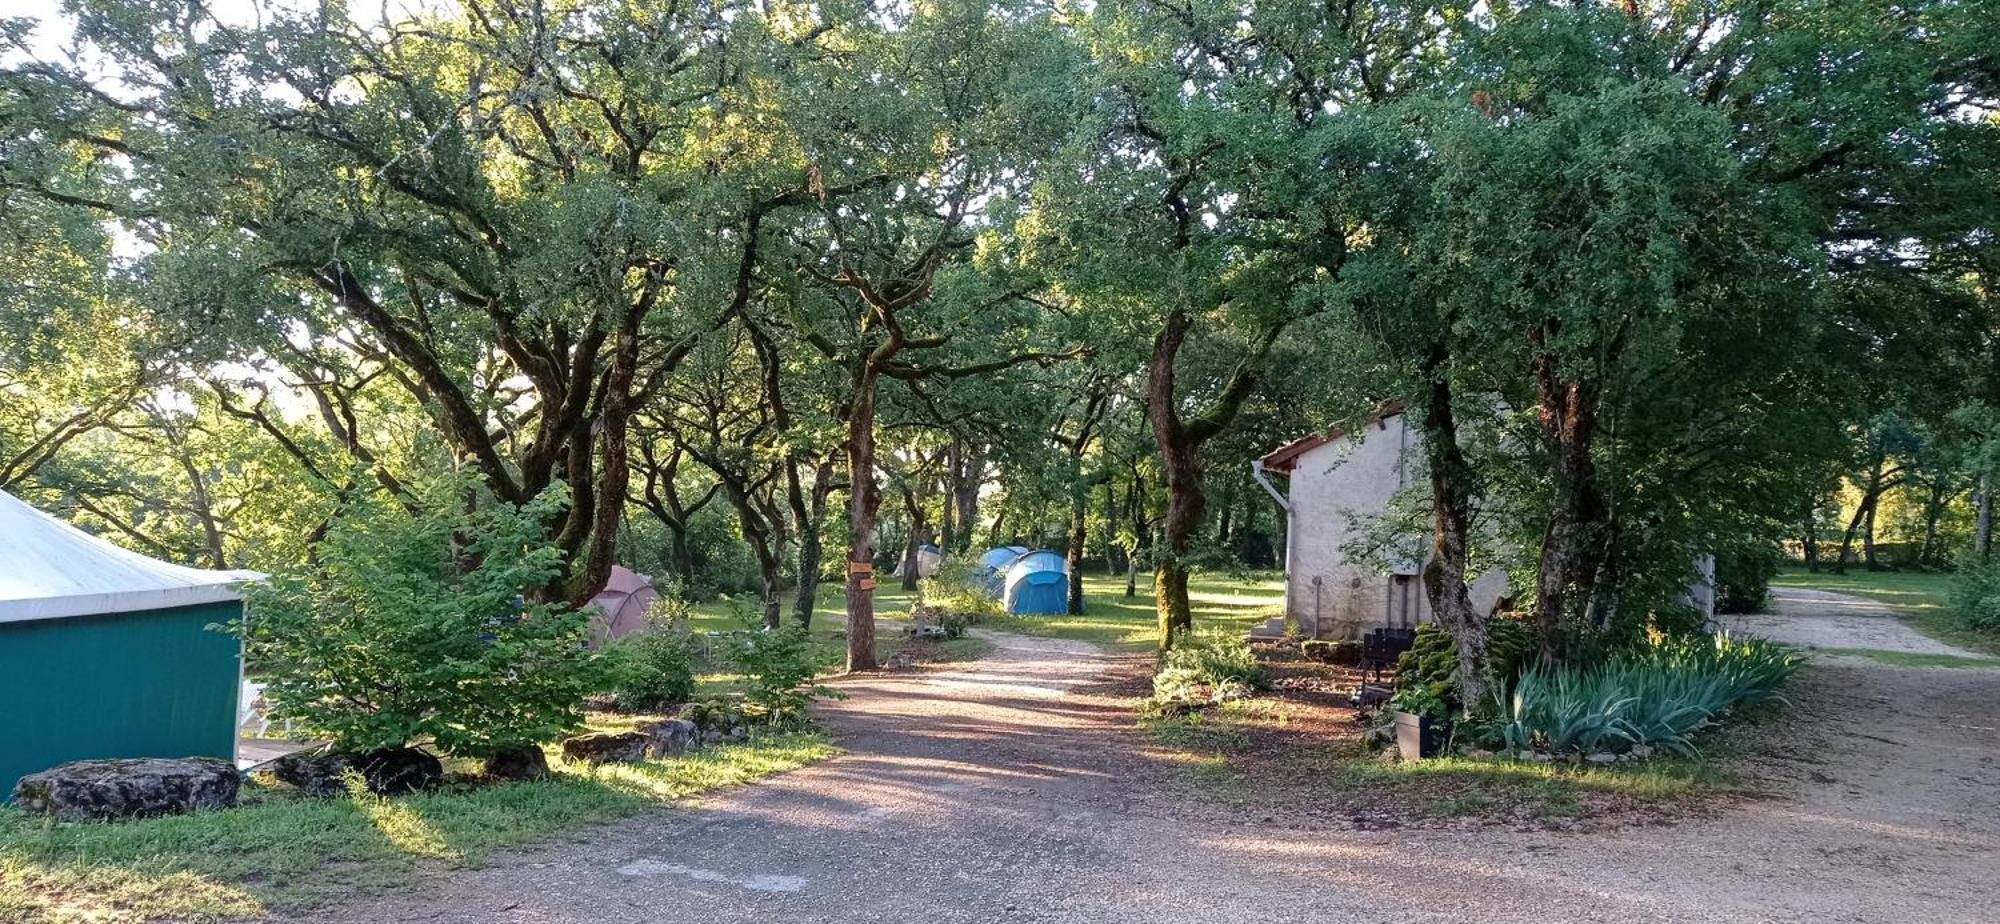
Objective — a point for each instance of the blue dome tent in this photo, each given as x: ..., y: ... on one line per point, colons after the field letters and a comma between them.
x: 1037, y: 582
x: 998, y: 559
x: 995, y: 563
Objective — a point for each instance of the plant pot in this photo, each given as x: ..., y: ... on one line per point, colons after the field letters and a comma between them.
x: 1419, y: 736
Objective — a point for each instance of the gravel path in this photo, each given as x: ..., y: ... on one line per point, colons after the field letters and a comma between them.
x: 1824, y: 619
x: 1007, y: 790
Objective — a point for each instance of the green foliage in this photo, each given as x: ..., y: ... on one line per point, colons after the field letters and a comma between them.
x: 961, y: 587
x: 1743, y: 579
x: 410, y: 627
x: 1659, y: 696
x: 1431, y: 664
x: 780, y: 668
x: 1975, y: 597
x: 1209, y: 667
x: 649, y: 671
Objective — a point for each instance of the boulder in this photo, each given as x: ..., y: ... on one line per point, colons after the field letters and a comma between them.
x: 719, y: 720
x: 619, y: 748
x: 108, y: 789
x: 670, y: 737
x: 523, y: 763
x: 387, y: 772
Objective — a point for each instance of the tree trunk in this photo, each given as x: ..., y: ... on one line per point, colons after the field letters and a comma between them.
x: 1868, y: 538
x: 1075, y: 552
x: 1928, y: 555
x: 1570, y: 555
x: 809, y: 509
x: 864, y: 503
x: 1110, y: 530
x: 1982, y: 526
x: 1451, y: 506
x: 1810, y: 541
x: 1185, y: 506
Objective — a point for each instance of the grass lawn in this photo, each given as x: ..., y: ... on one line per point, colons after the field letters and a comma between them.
x: 1220, y: 601
x: 1925, y: 596
x: 280, y: 852
x: 1234, y: 603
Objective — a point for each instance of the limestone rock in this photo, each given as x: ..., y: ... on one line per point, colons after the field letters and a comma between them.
x: 618, y: 748
x: 670, y: 737
x: 387, y: 772
x: 109, y: 789
x: 523, y: 763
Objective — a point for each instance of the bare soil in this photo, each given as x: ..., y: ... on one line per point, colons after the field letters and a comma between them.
x: 1017, y: 788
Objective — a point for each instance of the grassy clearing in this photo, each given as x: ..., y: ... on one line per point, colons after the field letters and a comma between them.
x: 1923, y: 596
x: 278, y: 852
x: 1906, y: 590
x: 1111, y: 619
x: 1913, y: 659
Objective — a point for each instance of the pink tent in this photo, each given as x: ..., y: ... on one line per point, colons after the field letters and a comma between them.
x: 621, y: 607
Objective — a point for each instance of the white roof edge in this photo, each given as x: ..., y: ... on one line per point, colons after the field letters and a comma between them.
x: 115, y: 602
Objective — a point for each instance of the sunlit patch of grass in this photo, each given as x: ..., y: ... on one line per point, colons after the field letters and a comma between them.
x: 280, y: 852
x: 1456, y: 786
x: 1116, y: 621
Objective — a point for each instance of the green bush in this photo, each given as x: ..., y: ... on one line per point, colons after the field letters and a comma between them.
x: 780, y: 667
x: 961, y: 587
x: 651, y: 670
x: 1975, y: 597
x: 1743, y: 580
x: 410, y: 627
x: 1210, y: 666
x: 1658, y: 696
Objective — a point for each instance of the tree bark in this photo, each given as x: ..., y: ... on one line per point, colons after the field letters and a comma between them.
x: 1809, y: 542
x: 1982, y: 526
x: 1452, y: 492
x: 864, y: 503
x: 808, y: 511
x: 1570, y: 554
x: 1074, y: 558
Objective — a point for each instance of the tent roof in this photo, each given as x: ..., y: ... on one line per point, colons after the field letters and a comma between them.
x: 50, y: 570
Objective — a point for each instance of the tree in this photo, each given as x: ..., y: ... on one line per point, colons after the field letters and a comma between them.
x: 499, y: 205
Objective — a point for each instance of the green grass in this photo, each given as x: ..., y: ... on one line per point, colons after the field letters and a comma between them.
x: 1109, y: 618
x: 1459, y: 786
x: 1906, y: 590
x: 1923, y: 596
x: 279, y: 852
x: 1912, y: 658
x: 1130, y: 623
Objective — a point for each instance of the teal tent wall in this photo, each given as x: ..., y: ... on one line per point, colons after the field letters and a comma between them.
x: 150, y: 683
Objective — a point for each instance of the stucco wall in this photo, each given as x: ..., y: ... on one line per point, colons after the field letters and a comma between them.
x: 1337, y: 490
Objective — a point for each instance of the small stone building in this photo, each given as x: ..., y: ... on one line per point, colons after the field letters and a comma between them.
x: 1341, y: 483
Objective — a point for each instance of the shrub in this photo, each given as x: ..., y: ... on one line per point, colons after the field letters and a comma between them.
x: 780, y: 667
x: 1658, y: 696
x: 1976, y: 597
x: 1210, y: 666
x: 1743, y: 580
x: 410, y: 626
x: 651, y: 670
x: 962, y: 587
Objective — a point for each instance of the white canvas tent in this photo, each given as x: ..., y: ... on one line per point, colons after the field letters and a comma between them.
x: 51, y: 570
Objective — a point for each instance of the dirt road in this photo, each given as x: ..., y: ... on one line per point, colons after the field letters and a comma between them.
x: 1006, y: 790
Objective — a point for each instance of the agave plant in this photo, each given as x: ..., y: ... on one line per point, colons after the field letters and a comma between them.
x: 1660, y: 696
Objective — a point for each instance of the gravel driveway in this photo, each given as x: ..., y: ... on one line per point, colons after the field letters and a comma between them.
x: 1008, y: 790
